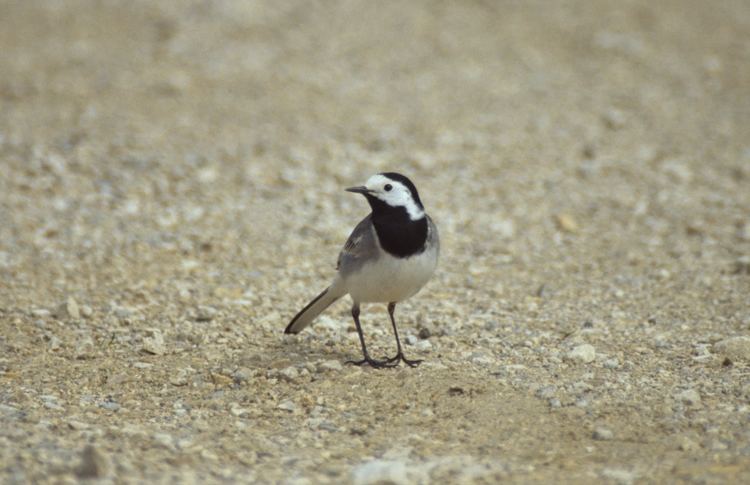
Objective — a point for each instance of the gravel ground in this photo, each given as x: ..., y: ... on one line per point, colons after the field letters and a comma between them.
x: 172, y: 193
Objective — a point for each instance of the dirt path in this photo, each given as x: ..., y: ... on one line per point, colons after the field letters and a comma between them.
x: 172, y: 193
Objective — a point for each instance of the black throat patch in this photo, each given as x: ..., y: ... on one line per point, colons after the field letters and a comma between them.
x: 398, y: 234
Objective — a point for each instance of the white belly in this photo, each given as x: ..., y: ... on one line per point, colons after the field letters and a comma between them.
x: 391, y: 279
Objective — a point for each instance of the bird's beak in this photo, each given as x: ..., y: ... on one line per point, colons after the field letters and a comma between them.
x: 359, y: 190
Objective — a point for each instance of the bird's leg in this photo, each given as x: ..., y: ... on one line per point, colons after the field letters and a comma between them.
x: 400, y: 355
x: 367, y: 359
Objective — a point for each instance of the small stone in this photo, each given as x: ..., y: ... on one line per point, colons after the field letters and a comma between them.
x: 180, y: 379
x: 243, y: 374
x: 619, y: 476
x: 381, y: 471
x: 123, y: 313
x: 287, y: 406
x: 40, y: 313
x: 691, y: 397
x: 238, y: 411
x: 423, y: 346
x: 86, y: 311
x: 584, y: 353
x: 93, y: 464
x: 109, y: 404
x: 425, y: 333
x: 678, y: 170
x: 154, y: 343
x: 611, y: 363
x: 71, y: 308
x: 164, y: 439
x: 546, y: 392
x: 54, y: 343
x: 735, y: 348
x: 503, y: 228
x: 743, y: 231
x: 77, y: 425
x: 614, y: 119
x: 686, y: 444
x: 481, y: 358
x: 289, y: 374
x: 410, y: 339
x: 602, y: 434
x: 51, y: 402
x: 205, y: 313
x: 566, y: 222
x: 85, y: 348
x: 330, y: 366
x: 742, y: 265
x: 221, y: 380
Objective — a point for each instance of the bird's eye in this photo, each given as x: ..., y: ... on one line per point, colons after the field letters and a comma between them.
x: 388, y: 187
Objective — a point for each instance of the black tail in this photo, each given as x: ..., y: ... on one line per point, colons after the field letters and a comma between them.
x: 311, y: 310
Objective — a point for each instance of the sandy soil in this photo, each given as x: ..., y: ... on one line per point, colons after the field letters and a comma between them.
x: 171, y: 194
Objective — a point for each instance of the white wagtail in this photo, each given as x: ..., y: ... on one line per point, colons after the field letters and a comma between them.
x: 388, y: 257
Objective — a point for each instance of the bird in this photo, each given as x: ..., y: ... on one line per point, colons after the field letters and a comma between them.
x: 389, y: 256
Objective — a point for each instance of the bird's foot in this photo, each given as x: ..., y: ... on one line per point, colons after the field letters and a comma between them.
x: 394, y: 361
x: 375, y: 364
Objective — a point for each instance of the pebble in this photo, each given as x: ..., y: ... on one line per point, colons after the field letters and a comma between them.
x: 109, y: 404
x: 602, y: 434
x: 736, y: 348
x: 94, y: 463
x: 611, y: 363
x: 289, y: 374
x: 51, y: 402
x: 410, y: 339
x: 742, y: 265
x: 546, y: 392
x: 238, y: 411
x: 287, y: 406
x: 614, y: 119
x: 123, y: 312
x: 85, y: 348
x: 687, y: 444
x: 330, y: 365
x: 164, y: 439
x: 691, y: 397
x: 584, y: 353
x: 40, y: 313
x: 154, y: 343
x: 619, y: 476
x: 7, y: 412
x: 243, y: 374
x: 503, y: 228
x: 86, y: 311
x: 77, y: 425
x: 381, y: 471
x: 678, y: 170
x: 424, y: 333
x: 205, y: 313
x: 566, y: 222
x: 423, y: 346
x: 743, y: 231
x: 71, y: 308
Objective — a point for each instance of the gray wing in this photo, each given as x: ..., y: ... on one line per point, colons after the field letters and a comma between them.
x: 360, y: 248
x: 433, y: 238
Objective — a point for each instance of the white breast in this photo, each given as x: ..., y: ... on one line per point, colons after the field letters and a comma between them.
x: 390, y: 279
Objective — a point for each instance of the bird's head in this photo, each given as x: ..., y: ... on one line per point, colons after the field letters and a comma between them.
x: 390, y: 190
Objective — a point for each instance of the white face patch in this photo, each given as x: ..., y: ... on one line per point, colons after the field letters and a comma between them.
x: 398, y: 196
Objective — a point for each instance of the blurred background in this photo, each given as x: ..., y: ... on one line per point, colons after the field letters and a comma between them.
x: 173, y: 162
x: 232, y: 126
